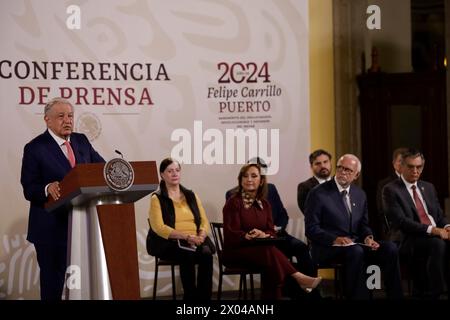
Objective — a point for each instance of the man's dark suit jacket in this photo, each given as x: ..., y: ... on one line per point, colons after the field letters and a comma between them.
x: 380, y: 187
x: 401, y: 210
x: 303, y: 189
x: 279, y: 214
x: 44, y: 162
x: 326, y: 217
x: 384, y: 222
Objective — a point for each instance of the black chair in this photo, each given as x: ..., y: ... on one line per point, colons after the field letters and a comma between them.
x: 337, y: 268
x: 217, y: 232
x: 172, y: 264
x: 164, y: 262
x: 406, y: 262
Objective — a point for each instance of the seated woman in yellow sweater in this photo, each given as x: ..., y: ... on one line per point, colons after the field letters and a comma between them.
x: 178, y: 231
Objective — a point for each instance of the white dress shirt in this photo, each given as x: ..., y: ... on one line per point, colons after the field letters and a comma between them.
x: 60, y: 142
x: 347, y: 196
x: 320, y: 180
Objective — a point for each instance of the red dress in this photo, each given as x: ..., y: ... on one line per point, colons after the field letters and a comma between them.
x: 238, y: 251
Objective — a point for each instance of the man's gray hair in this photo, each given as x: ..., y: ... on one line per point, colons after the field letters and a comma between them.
x: 353, y: 157
x: 57, y: 100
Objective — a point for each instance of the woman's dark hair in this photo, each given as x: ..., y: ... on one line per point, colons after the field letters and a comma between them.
x: 162, y: 167
x: 167, y: 162
x: 262, y: 189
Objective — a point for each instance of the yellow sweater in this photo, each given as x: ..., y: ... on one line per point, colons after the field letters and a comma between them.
x: 184, y: 218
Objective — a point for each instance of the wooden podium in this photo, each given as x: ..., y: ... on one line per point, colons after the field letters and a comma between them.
x: 102, y: 246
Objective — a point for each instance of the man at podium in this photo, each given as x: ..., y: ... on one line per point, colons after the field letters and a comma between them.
x: 46, y: 160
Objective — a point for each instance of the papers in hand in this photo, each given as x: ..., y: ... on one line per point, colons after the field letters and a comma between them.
x: 351, y: 244
x: 183, y: 244
x: 344, y: 244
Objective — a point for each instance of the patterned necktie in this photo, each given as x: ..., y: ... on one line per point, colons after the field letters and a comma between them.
x: 70, y: 154
x: 420, y: 208
x: 346, y: 202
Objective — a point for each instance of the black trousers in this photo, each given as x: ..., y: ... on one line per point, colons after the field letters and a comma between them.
x: 52, y: 260
x: 294, y: 247
x: 355, y: 259
x: 429, y: 258
x: 200, y: 290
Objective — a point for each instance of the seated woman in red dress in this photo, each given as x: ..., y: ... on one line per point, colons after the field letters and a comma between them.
x: 246, y: 217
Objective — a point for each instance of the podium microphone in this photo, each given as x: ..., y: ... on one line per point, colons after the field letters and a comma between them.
x: 119, y: 153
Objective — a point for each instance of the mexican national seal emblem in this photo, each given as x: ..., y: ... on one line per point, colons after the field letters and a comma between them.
x: 89, y: 124
x: 119, y: 174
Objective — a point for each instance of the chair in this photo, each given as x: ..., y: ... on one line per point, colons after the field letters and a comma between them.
x: 406, y: 262
x: 164, y: 262
x: 217, y: 232
x: 337, y: 269
x: 172, y: 264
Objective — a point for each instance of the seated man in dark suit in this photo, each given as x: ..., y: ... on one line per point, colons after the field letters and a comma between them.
x: 46, y: 160
x: 320, y: 162
x: 292, y: 247
x: 397, y: 166
x: 336, y: 220
x: 416, y: 217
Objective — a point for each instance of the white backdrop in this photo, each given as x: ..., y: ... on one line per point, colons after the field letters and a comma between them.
x: 197, y: 52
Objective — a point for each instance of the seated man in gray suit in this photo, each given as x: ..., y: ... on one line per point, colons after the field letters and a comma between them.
x: 416, y: 217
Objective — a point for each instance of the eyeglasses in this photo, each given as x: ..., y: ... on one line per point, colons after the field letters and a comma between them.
x: 344, y: 170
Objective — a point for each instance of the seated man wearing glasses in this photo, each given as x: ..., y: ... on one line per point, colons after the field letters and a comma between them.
x: 336, y: 220
x: 416, y: 216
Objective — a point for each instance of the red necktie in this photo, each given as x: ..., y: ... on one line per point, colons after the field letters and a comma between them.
x: 420, y: 208
x: 70, y: 154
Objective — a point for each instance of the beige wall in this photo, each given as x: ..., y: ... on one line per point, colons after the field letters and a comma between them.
x: 321, y: 75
